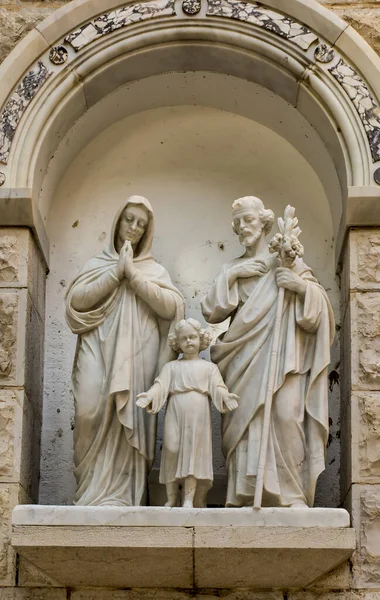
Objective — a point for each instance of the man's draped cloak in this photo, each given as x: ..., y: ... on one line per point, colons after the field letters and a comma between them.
x: 243, y: 354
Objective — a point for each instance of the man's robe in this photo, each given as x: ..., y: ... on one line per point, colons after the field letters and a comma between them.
x: 299, y: 419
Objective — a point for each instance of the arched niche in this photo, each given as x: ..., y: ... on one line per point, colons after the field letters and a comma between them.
x: 317, y: 81
x: 191, y: 160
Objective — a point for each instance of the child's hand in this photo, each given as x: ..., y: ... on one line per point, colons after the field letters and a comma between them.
x: 231, y: 401
x: 143, y: 400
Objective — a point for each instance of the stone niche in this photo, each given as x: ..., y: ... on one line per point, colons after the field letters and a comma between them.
x: 191, y: 160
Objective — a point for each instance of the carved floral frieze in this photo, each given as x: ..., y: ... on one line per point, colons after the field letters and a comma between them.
x: 17, y: 104
x: 251, y: 13
x: 363, y: 101
x: 109, y: 22
x: 259, y: 15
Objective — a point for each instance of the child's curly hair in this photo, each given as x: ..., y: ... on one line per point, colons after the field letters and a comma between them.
x: 204, y: 334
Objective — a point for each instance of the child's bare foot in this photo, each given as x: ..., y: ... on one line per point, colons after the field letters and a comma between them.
x: 171, y: 494
x: 171, y: 503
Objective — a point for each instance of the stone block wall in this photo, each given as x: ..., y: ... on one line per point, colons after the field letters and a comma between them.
x: 360, y: 483
x: 22, y: 313
x: 361, y: 15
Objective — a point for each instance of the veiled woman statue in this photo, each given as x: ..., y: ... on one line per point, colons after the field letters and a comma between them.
x: 247, y: 290
x: 122, y: 306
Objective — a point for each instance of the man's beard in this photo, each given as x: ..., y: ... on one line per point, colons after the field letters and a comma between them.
x: 253, y: 238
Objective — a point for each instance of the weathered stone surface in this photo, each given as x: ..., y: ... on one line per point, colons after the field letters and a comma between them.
x: 27, y: 456
x: 34, y: 355
x: 30, y: 459
x: 317, y: 595
x: 156, y: 594
x: 338, y: 579
x: 361, y: 15
x: 9, y: 259
x: 369, y: 435
x: 31, y: 576
x: 370, y: 534
x: 365, y: 19
x: 19, y: 442
x: 10, y: 495
x: 332, y: 595
x: 142, y: 594
x: 17, y: 18
x: 123, y: 557
x: 32, y: 594
x: 222, y: 556
x: 365, y: 258
x: 21, y: 344
x: 21, y: 264
x: 10, y: 434
x: 180, y: 557
x: 352, y: 3
x: 7, y: 425
x: 36, y: 277
x: 22, y: 299
x: 242, y: 595
x: 8, y: 334
x: 366, y: 520
x: 365, y: 323
x: 6, y: 553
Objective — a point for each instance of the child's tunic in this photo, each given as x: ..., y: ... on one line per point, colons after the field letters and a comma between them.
x: 187, y: 448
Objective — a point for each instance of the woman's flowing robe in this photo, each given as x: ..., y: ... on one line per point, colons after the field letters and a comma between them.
x: 299, y: 420
x: 187, y: 444
x: 122, y: 343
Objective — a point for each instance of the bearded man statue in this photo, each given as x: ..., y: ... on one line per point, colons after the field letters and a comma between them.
x: 246, y: 290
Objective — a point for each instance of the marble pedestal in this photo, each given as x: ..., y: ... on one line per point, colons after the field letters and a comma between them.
x: 177, y: 548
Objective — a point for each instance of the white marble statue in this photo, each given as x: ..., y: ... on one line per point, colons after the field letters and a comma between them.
x: 247, y: 290
x: 122, y: 306
x: 188, y: 384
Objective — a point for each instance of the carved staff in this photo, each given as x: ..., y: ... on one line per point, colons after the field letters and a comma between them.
x: 287, y: 247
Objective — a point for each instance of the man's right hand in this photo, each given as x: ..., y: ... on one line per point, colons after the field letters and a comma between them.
x: 252, y: 267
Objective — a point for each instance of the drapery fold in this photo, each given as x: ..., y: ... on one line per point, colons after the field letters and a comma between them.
x: 300, y: 405
x: 122, y: 344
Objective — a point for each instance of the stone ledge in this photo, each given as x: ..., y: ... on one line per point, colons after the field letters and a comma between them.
x: 177, y: 548
x: 154, y: 516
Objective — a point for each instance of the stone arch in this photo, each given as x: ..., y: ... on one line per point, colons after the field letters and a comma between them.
x: 298, y: 50
x: 304, y: 55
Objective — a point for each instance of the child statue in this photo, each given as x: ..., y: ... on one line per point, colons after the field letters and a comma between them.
x: 188, y: 384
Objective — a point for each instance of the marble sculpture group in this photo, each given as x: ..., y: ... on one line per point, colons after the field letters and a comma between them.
x: 268, y: 375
